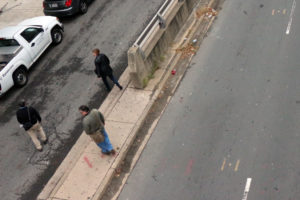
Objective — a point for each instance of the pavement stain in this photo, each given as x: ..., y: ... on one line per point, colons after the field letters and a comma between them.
x: 155, y: 178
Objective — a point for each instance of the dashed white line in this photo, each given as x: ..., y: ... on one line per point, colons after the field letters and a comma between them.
x: 247, y: 188
x: 291, y: 18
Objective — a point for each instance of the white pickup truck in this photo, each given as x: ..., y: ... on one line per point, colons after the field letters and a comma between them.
x: 22, y: 45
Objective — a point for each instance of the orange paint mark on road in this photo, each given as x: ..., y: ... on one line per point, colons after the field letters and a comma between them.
x: 189, y: 166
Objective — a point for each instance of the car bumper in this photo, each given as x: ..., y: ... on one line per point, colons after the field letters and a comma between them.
x: 61, y: 12
x: 4, y: 89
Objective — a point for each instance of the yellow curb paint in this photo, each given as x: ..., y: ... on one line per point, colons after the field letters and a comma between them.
x: 237, y: 165
x: 223, y: 165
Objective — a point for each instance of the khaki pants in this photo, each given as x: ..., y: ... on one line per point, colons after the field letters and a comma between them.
x: 35, y: 132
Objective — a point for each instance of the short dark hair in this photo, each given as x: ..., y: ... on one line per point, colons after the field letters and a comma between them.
x: 22, y: 103
x: 96, y: 51
x: 84, y: 108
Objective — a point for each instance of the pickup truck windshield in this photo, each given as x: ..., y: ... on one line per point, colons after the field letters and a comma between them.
x: 8, y: 43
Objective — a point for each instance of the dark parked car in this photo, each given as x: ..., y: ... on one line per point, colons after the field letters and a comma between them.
x: 61, y: 8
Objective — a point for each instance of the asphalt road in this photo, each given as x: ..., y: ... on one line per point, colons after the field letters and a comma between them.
x: 59, y: 82
x: 231, y: 131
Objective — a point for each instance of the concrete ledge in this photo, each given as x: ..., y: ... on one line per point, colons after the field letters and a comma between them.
x: 144, y: 55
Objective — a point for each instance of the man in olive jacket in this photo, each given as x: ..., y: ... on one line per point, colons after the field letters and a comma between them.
x: 93, y: 125
x: 103, y: 69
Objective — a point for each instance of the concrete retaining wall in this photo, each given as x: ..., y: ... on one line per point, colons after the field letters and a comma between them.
x: 149, y: 49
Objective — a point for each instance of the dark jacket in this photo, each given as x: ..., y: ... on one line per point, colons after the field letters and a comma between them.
x: 102, y: 64
x: 28, y: 116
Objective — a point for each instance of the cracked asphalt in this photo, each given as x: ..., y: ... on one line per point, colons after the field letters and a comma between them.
x: 60, y: 81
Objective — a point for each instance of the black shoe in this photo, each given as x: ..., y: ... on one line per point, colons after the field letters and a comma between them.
x: 121, y: 88
x: 45, y: 142
x: 112, y: 152
x: 106, y: 153
x: 40, y: 150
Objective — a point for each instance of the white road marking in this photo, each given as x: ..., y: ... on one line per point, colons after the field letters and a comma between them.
x: 291, y: 18
x: 247, y: 189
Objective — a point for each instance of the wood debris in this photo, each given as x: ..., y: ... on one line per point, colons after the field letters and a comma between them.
x: 186, y: 51
x: 206, y: 11
x: 118, y: 172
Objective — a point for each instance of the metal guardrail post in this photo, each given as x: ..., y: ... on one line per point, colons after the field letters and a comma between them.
x: 152, y: 23
x: 162, y: 21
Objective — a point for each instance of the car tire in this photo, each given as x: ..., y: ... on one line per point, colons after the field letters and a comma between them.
x: 57, y: 35
x: 20, y: 77
x: 83, y: 6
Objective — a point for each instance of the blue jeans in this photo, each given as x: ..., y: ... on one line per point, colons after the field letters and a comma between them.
x: 114, y: 80
x: 105, y: 145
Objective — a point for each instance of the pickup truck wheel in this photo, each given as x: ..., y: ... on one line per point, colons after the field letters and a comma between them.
x: 56, y: 35
x: 20, y: 77
x: 83, y: 6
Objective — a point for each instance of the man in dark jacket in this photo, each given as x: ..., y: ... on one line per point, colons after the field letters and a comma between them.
x: 30, y: 119
x: 103, y: 69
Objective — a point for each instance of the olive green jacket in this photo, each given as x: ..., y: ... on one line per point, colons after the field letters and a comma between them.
x: 93, y: 122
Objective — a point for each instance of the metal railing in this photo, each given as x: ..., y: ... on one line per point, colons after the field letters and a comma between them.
x: 158, y: 19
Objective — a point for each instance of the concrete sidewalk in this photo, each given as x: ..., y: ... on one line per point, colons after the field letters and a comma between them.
x: 15, y: 11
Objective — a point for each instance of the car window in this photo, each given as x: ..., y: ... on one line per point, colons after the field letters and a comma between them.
x: 8, y: 42
x: 30, y: 33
